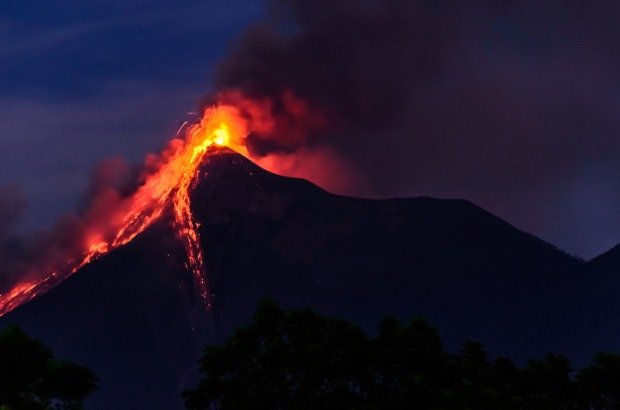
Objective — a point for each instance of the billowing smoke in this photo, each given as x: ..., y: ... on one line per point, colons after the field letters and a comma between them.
x: 13, y: 249
x: 320, y: 76
x: 327, y: 66
x: 22, y: 255
x: 30, y: 256
x: 511, y: 104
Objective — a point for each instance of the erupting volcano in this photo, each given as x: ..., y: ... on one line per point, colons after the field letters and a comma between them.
x: 168, y: 183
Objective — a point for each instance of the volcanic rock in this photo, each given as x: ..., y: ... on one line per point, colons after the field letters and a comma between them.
x: 134, y: 317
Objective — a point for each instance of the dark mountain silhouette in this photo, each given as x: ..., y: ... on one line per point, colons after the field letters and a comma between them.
x: 599, y: 302
x: 134, y: 319
x: 129, y: 317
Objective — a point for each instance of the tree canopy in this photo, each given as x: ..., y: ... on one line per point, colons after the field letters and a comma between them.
x: 32, y: 378
x: 298, y: 359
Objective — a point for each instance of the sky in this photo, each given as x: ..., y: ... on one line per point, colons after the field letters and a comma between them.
x: 512, y: 105
x: 83, y: 81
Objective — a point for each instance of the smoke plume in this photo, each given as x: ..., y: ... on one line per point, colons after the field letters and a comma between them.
x: 511, y: 104
x: 13, y: 250
x: 320, y: 67
x: 29, y: 256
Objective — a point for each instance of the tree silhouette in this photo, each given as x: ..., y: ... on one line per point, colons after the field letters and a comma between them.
x: 285, y: 360
x: 549, y: 383
x: 600, y: 382
x: 299, y: 360
x: 31, y: 378
x: 409, y: 365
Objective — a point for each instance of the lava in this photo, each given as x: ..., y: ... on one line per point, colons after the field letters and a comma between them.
x: 176, y: 170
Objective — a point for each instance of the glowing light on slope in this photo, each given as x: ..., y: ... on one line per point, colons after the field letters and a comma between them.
x: 170, y: 185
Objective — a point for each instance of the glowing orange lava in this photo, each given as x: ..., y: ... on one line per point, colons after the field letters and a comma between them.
x: 171, y: 184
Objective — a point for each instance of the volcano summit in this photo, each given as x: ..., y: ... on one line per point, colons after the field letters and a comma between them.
x: 136, y: 317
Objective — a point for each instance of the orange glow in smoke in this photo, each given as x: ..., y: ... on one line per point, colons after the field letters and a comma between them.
x: 172, y: 174
x: 171, y: 183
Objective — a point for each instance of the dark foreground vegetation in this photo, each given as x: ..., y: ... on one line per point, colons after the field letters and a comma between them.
x: 32, y: 378
x: 299, y: 360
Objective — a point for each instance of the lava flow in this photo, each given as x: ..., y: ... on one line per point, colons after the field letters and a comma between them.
x: 176, y: 169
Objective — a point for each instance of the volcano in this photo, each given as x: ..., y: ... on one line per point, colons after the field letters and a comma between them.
x: 136, y: 317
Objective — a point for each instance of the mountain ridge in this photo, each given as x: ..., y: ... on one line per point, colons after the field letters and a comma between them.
x: 134, y: 317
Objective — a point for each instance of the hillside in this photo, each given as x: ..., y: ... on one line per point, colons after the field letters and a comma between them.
x: 133, y: 316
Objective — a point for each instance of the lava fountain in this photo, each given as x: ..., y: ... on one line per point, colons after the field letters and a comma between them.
x: 169, y: 185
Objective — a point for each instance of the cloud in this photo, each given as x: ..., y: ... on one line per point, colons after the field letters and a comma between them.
x: 49, y: 38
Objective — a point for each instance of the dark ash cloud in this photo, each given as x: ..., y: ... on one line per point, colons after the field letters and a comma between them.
x: 29, y: 256
x: 512, y: 104
x: 360, y: 62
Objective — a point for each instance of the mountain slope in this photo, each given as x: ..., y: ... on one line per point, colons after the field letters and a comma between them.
x: 133, y: 317
x: 471, y: 273
x: 598, y: 299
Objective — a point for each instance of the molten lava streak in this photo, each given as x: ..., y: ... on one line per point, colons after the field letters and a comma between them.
x: 170, y: 184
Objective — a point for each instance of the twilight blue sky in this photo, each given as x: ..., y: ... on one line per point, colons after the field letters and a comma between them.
x: 85, y: 80
x: 522, y: 115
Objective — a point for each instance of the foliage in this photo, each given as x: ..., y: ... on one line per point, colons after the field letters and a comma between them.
x: 299, y: 360
x: 31, y: 378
